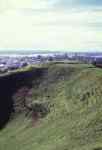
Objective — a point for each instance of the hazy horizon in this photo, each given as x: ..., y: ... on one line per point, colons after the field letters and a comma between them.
x: 48, y: 51
x: 55, y: 25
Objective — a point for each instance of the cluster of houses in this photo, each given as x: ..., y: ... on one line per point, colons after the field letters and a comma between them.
x: 8, y: 63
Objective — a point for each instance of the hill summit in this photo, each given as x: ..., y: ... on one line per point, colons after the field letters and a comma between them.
x: 56, y: 106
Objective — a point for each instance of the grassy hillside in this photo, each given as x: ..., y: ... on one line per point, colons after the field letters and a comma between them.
x: 75, y: 118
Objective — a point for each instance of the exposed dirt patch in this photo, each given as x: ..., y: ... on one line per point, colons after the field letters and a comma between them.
x: 17, y: 84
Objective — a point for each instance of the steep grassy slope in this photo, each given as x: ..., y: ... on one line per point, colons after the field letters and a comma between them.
x: 13, y: 87
x: 75, y: 118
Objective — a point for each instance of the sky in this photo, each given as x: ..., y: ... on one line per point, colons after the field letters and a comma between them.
x: 69, y: 25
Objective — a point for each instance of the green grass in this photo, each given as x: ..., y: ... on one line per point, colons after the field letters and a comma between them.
x: 75, y: 120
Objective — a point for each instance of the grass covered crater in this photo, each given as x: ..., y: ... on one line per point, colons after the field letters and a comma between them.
x: 56, y: 107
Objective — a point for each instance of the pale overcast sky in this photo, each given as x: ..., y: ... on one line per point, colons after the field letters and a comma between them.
x: 51, y: 24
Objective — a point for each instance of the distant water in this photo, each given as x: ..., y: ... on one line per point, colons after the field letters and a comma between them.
x: 30, y: 53
x: 18, y: 55
x: 25, y: 55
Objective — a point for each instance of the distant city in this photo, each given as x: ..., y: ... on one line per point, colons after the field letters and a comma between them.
x: 15, y: 60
